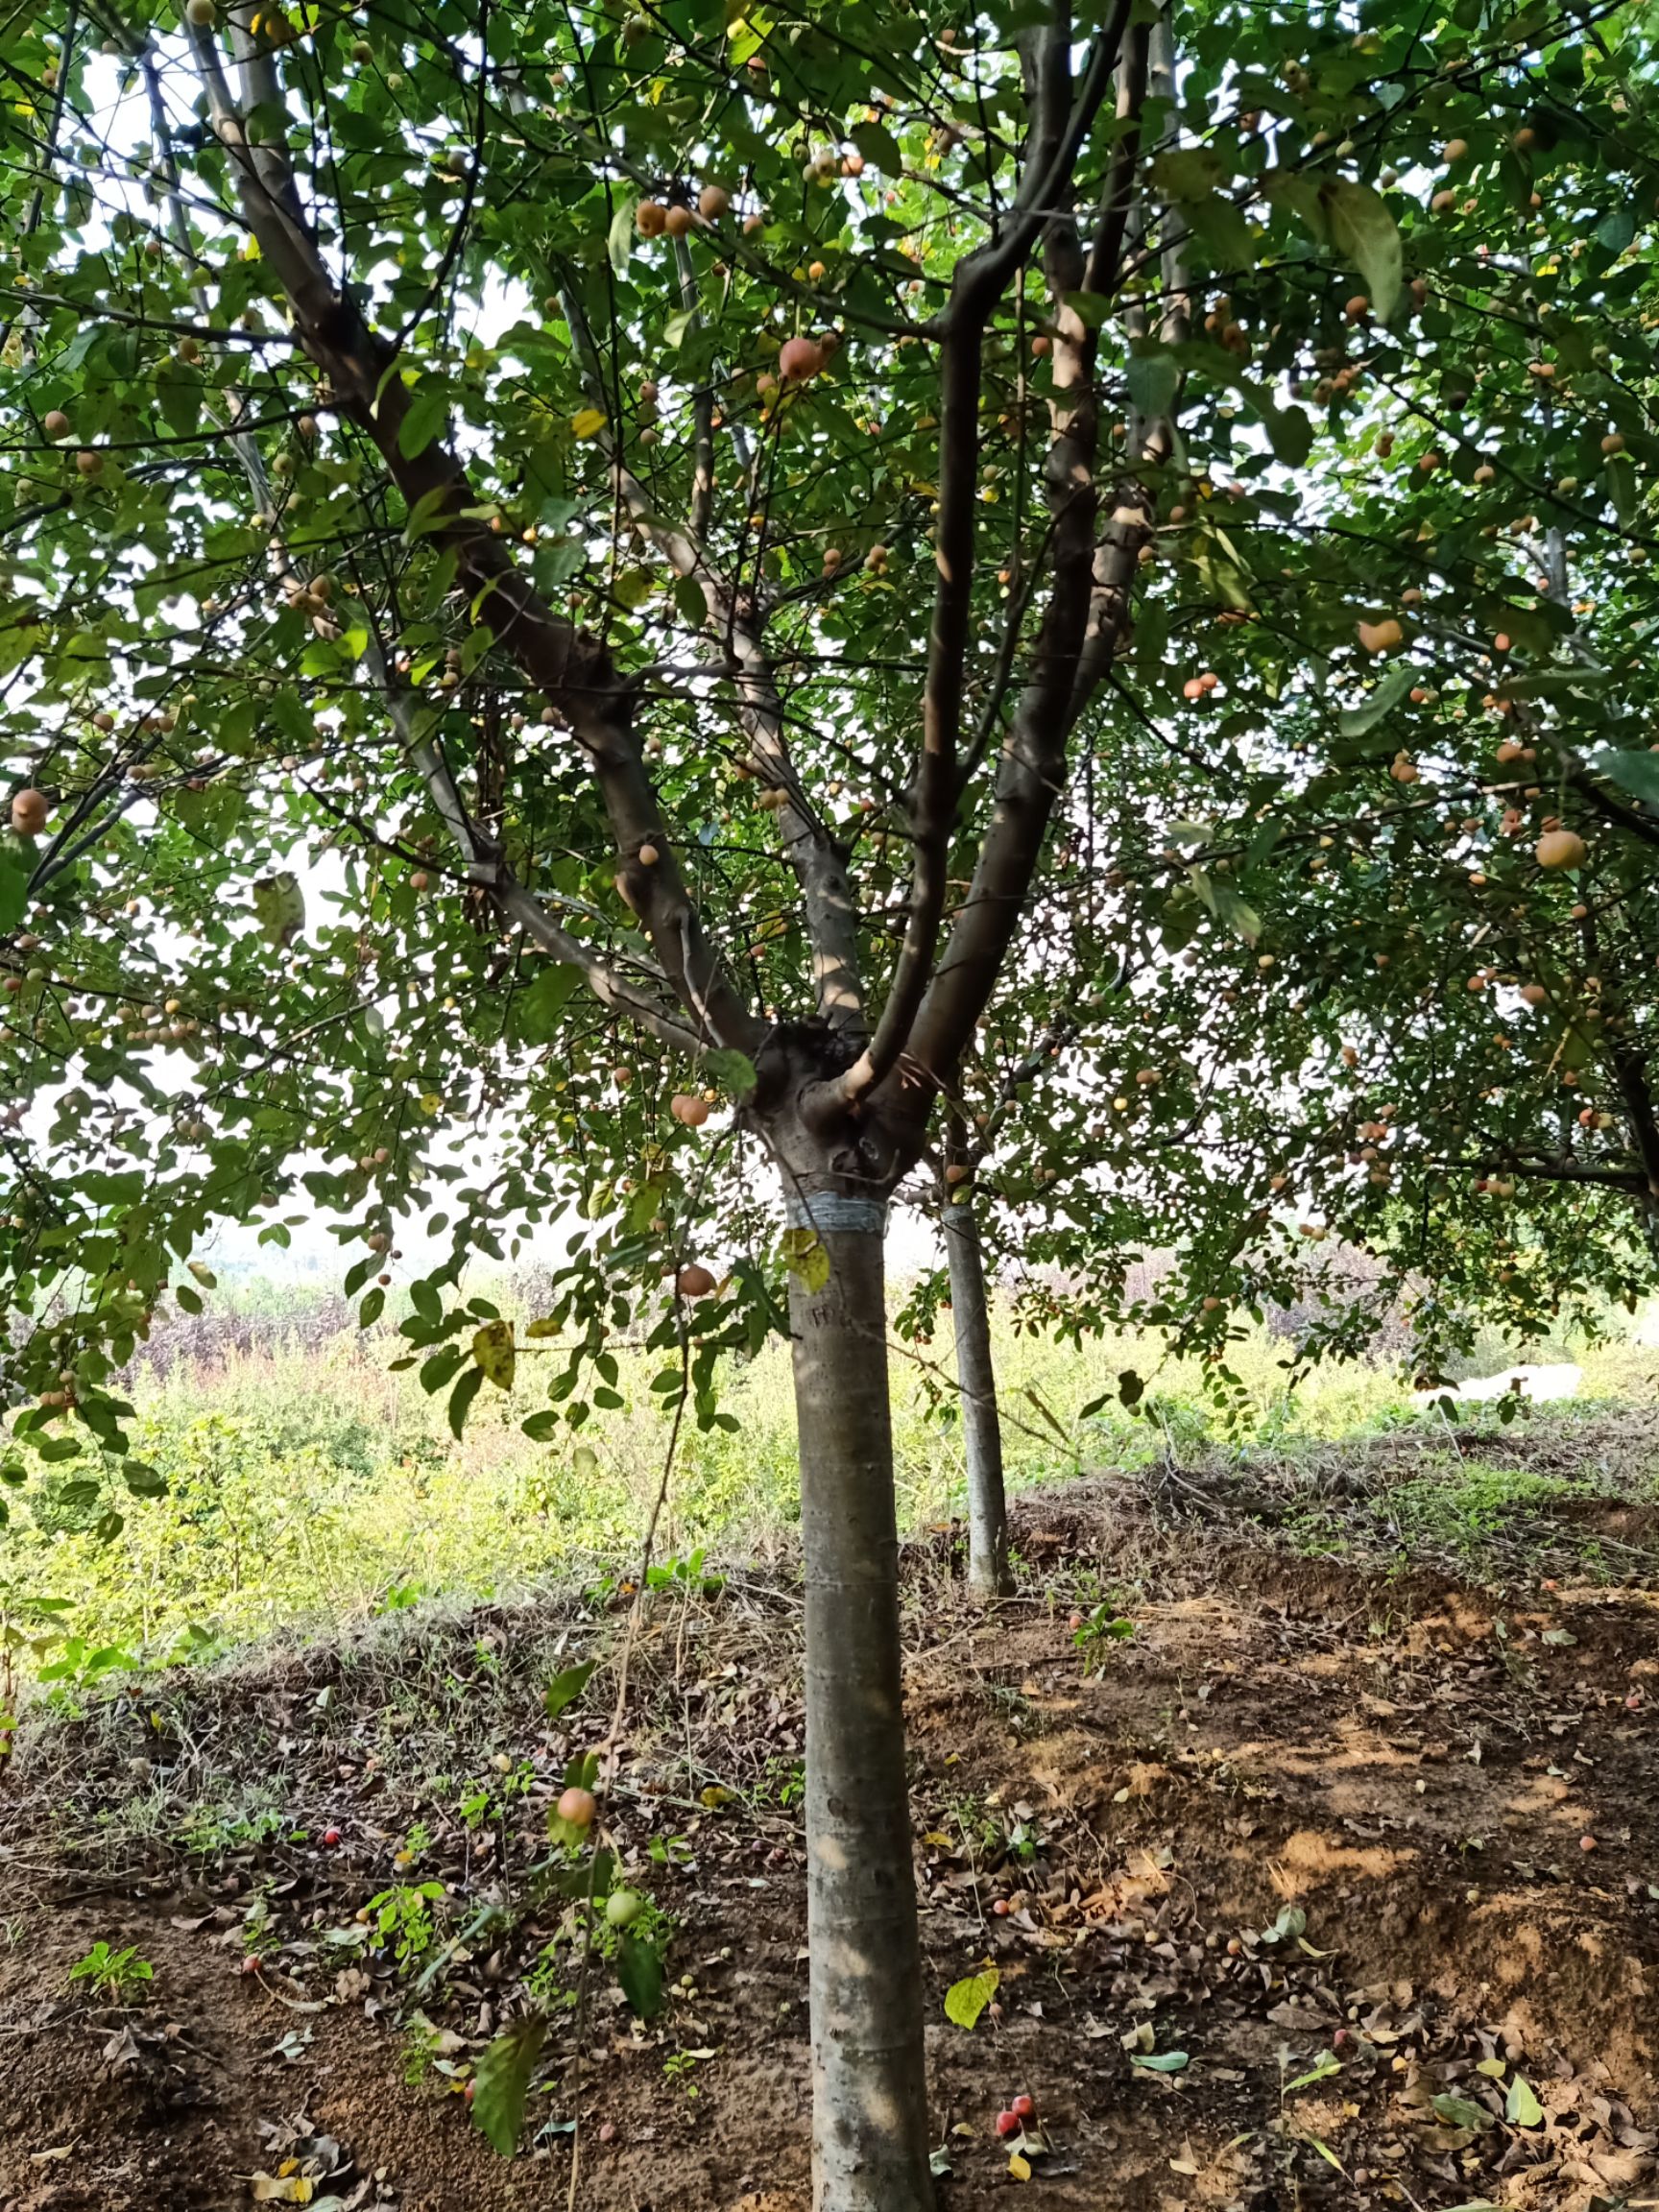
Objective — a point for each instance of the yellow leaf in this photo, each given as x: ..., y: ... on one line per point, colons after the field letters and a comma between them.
x: 494, y: 1350
x: 939, y: 1841
x: 590, y: 422
x: 1019, y: 2167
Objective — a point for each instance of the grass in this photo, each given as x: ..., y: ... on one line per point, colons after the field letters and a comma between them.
x: 308, y: 1487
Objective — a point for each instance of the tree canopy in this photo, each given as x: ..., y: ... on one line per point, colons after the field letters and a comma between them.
x: 567, y: 568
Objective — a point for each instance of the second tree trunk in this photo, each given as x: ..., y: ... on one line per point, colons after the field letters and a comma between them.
x: 989, y: 1574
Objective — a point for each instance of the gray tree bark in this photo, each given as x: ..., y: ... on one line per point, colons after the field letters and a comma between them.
x: 870, y: 2134
x: 989, y: 1574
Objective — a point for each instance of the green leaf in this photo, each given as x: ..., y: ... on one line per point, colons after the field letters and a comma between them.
x: 1327, y: 2064
x: 1224, y: 231
x: 460, y: 1399
x: 14, y: 888
x: 441, y: 1368
x: 1355, y: 721
x: 965, y: 2001
x: 1637, y: 773
x: 279, y: 904
x: 1153, y: 379
x: 732, y: 1072
x: 688, y: 598
x: 1521, y: 2107
x: 880, y: 148
x: 639, y: 1971
x: 567, y: 1687
x: 1364, y: 232
x: 1232, y: 911
x: 501, y: 2082
x: 1159, y: 2061
x: 427, y: 409
x: 496, y: 1353
x: 1460, y: 2112
x: 179, y: 389
x: 619, y: 239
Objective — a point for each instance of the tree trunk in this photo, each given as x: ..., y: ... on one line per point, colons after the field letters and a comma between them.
x: 989, y: 1574
x: 869, y: 2137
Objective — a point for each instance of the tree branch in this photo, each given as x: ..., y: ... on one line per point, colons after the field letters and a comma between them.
x: 1062, y: 117
x: 573, y: 669
x: 737, y: 619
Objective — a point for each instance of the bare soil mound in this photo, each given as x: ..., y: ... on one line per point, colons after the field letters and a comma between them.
x: 1334, y: 1883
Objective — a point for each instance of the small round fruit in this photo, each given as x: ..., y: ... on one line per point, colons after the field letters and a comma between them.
x: 1007, y: 2124
x: 578, y: 1806
x: 419, y: 881
x: 331, y: 1836
x: 649, y: 855
x: 691, y: 1109
x: 30, y: 812
x: 650, y: 218
x: 714, y: 202
x: 1023, y: 2107
x: 1559, y: 848
x: 56, y: 424
x: 694, y: 1281
x: 201, y: 14
x: 623, y: 1906
x: 677, y: 221
x: 800, y: 358
x: 89, y: 463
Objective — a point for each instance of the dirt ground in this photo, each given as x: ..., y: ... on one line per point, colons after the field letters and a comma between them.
x: 1331, y: 1884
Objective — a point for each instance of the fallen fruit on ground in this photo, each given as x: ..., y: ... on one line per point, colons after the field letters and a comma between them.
x: 578, y: 1806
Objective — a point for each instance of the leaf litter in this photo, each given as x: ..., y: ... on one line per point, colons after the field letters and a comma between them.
x: 1280, y: 1901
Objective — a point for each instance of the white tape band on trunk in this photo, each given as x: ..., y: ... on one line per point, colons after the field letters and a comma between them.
x: 831, y: 1212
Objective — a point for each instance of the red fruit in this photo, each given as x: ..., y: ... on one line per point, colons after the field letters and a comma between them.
x: 800, y: 358
x: 1076, y: 1623
x: 1000, y: 1906
x: 30, y: 812
x: 1007, y: 2124
x: 331, y: 1836
x: 470, y: 2091
x: 578, y: 1806
x: 1023, y: 2107
x: 251, y: 1964
x: 1586, y: 1842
